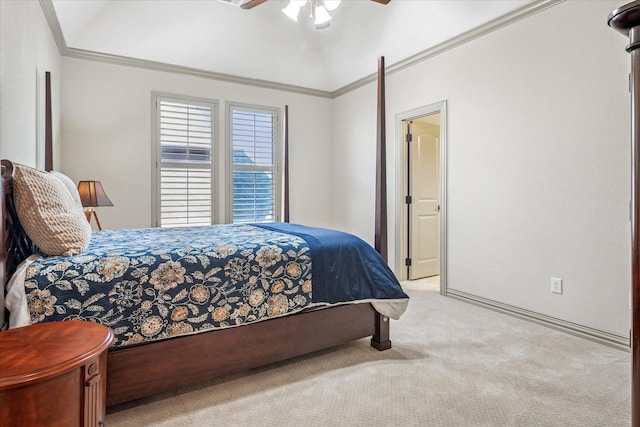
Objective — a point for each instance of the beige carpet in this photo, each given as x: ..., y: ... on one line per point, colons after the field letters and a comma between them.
x: 452, y: 364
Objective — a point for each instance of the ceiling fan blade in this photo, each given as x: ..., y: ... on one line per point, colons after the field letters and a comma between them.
x: 253, y: 3
x: 382, y: 1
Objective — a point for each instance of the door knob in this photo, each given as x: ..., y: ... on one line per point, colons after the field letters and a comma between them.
x: 437, y: 209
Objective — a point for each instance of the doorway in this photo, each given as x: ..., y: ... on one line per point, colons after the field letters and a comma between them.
x: 423, y: 196
x: 422, y: 166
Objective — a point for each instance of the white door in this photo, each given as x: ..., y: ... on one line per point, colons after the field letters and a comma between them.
x: 425, y: 206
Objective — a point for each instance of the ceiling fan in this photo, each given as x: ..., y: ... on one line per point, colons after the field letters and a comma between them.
x: 318, y: 9
x: 253, y: 3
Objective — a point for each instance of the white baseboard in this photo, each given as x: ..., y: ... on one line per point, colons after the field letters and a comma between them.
x: 613, y: 340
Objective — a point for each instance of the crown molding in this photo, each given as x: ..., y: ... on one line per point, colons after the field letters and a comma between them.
x: 54, y: 24
x: 463, y: 38
x: 70, y: 52
x: 162, y: 66
x: 496, y: 24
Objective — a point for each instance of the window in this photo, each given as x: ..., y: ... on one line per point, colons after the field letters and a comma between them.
x: 254, y: 163
x: 184, y: 156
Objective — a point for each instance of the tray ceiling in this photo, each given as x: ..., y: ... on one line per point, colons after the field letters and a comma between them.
x: 263, y: 44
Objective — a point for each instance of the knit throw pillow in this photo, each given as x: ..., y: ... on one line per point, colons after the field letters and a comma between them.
x: 49, y: 213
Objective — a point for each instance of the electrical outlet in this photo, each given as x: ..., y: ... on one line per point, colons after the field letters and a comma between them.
x: 556, y: 285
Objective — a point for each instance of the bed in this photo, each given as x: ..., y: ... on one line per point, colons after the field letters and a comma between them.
x: 278, y: 316
x: 227, y: 297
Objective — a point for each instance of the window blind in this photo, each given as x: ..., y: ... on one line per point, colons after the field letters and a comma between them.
x: 254, y: 164
x: 185, y: 142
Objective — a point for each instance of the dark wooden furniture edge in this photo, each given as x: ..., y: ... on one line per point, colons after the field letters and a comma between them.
x: 380, y: 232
x: 626, y: 19
x: 54, y: 374
x: 17, y: 245
x: 286, y: 164
x: 381, y: 341
x: 139, y: 371
x: 148, y: 369
x: 48, y: 125
x: 60, y: 364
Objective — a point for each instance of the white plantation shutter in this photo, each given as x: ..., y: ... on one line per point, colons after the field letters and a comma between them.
x: 185, y: 159
x: 254, y: 132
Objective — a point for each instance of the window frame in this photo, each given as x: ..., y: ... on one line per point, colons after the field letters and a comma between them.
x: 277, y: 153
x: 156, y: 98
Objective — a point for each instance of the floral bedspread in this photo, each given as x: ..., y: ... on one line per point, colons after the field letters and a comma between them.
x: 196, y: 279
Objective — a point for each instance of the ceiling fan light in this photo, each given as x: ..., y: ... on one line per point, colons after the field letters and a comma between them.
x: 331, y: 4
x: 322, y: 16
x: 323, y: 26
x: 293, y: 9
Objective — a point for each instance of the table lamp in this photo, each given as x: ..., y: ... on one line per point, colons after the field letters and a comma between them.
x: 92, y: 196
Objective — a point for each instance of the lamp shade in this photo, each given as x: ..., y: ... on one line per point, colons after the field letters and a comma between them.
x: 92, y: 194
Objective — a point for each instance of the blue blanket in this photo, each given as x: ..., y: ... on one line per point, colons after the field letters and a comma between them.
x: 345, y: 267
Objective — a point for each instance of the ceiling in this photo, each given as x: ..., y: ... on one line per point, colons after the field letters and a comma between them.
x: 263, y: 44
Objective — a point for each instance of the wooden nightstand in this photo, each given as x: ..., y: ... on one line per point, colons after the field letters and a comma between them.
x: 54, y: 374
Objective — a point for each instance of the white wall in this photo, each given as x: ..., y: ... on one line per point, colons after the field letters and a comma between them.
x: 27, y: 50
x: 107, y: 128
x: 538, y: 157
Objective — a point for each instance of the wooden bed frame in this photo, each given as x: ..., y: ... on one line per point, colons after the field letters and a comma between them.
x: 151, y: 368
x: 626, y: 19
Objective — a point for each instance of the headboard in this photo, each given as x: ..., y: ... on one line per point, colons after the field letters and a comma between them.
x: 17, y: 245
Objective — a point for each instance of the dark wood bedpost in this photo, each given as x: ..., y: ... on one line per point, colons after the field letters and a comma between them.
x: 3, y: 255
x: 380, y: 238
x: 626, y: 19
x: 381, y: 339
x: 286, y: 163
x: 48, y: 125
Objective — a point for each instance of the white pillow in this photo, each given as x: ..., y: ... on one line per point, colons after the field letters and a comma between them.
x: 49, y: 213
x: 70, y: 186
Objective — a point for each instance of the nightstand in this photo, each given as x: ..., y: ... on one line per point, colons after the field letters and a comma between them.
x: 54, y: 374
